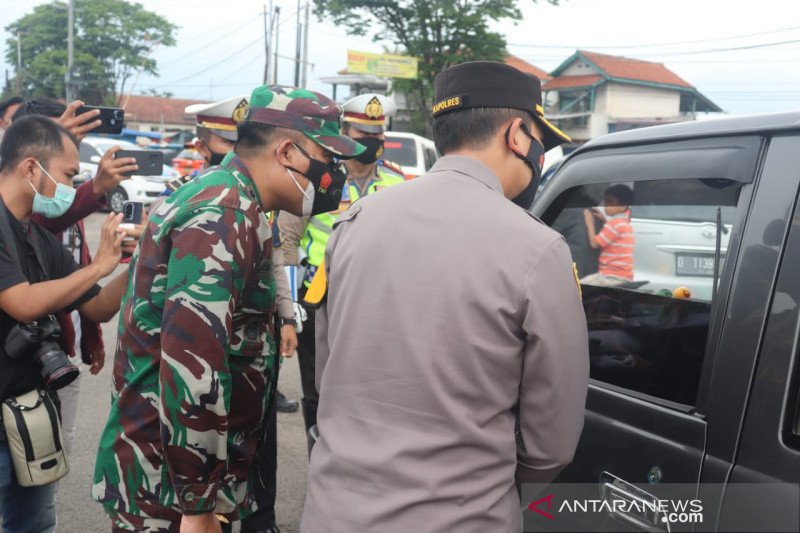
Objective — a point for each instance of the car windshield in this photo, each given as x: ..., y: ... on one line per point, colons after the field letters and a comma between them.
x: 400, y: 150
x: 104, y: 147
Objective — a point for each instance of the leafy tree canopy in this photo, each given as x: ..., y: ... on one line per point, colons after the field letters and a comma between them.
x: 112, y: 40
x: 441, y: 33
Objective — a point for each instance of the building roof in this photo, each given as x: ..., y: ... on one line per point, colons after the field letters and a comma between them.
x: 156, y: 109
x: 625, y: 68
x: 620, y: 69
x: 524, y: 66
x: 564, y: 82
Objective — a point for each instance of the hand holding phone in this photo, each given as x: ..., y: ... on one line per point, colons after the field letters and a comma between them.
x: 111, y: 118
x: 149, y: 162
x: 132, y: 213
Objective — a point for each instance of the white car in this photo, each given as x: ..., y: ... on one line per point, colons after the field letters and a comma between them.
x: 415, y: 154
x: 676, y: 246
x: 143, y: 189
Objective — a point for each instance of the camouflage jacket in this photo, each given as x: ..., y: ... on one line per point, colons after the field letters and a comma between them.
x: 195, y: 365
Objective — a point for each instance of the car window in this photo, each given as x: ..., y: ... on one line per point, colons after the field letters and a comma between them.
x: 648, y: 283
x: 104, y: 147
x: 85, y: 153
x: 190, y: 153
x: 400, y: 150
x: 430, y: 157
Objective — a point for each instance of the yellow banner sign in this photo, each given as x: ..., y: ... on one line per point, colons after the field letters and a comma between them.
x: 384, y: 65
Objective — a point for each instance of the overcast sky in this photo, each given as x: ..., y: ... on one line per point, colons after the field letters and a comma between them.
x: 220, y: 48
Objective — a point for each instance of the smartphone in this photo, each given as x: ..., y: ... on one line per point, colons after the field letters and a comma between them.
x: 132, y: 212
x: 112, y: 118
x: 150, y: 162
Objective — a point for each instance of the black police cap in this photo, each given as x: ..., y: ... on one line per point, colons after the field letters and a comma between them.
x: 493, y: 84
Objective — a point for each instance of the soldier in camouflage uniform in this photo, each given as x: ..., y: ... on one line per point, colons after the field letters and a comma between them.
x: 196, y: 362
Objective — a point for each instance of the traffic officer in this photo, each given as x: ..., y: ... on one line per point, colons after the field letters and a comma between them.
x: 452, y: 317
x: 216, y: 133
x: 364, y: 119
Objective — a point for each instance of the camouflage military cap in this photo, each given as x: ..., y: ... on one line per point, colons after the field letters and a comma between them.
x: 317, y: 116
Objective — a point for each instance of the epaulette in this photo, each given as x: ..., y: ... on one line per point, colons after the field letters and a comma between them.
x: 394, y: 167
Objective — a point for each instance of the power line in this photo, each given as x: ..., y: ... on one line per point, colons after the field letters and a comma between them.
x: 209, y: 67
x: 655, y: 45
x: 211, y: 42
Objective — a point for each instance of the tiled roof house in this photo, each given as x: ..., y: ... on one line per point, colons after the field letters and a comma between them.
x: 590, y: 94
x: 158, y: 114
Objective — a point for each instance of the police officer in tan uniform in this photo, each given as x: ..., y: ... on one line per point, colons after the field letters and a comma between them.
x: 452, y: 315
x: 364, y: 119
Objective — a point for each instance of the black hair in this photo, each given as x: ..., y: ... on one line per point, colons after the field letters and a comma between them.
x: 622, y: 193
x: 253, y: 136
x: 40, y: 106
x: 473, y: 127
x: 33, y: 136
x: 8, y: 102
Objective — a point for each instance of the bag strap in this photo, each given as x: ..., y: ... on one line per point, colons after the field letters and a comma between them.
x: 8, y: 236
x: 11, y: 242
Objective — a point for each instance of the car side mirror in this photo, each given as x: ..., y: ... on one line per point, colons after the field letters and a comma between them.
x: 95, y: 159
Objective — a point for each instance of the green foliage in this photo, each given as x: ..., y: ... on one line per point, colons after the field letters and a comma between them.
x: 152, y: 91
x: 113, y: 39
x: 441, y: 33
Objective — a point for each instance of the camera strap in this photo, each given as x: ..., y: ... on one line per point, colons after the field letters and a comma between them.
x: 8, y: 236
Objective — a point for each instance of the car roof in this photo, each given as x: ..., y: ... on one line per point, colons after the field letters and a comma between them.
x: 738, y: 125
x: 406, y: 135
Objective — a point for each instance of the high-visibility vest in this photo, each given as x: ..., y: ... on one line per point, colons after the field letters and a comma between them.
x: 319, y: 227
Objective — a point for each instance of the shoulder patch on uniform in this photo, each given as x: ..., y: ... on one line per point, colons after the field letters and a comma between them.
x: 318, y: 289
x: 577, y: 279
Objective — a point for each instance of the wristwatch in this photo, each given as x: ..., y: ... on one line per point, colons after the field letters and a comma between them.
x: 288, y: 322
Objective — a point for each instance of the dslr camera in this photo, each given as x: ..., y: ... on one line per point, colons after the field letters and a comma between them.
x: 39, y: 339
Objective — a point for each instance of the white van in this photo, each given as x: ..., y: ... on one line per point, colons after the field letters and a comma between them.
x: 414, y: 153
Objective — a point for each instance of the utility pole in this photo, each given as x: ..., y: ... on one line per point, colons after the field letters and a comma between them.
x: 304, y: 79
x: 277, y: 21
x: 297, y: 46
x: 19, y: 65
x: 266, y: 43
x: 68, y: 82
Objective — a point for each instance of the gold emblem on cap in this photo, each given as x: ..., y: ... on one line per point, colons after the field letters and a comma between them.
x: 374, y: 109
x: 240, y: 112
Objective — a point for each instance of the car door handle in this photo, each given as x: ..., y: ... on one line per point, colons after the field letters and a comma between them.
x: 631, y: 505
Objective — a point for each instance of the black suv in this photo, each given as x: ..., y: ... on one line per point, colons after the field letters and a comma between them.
x: 694, y: 360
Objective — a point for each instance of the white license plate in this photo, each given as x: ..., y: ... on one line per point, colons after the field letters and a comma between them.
x: 696, y: 265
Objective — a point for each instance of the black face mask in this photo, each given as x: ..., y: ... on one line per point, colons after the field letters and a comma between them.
x: 328, y: 181
x: 215, y: 159
x: 374, y: 150
x: 534, y: 159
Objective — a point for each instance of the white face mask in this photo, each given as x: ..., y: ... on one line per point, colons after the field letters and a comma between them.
x: 308, y: 194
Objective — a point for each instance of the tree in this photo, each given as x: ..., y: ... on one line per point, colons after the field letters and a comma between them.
x: 441, y: 33
x: 152, y: 91
x: 113, y: 39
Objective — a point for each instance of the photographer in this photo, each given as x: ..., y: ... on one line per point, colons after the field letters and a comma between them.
x: 39, y: 277
x: 91, y: 195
